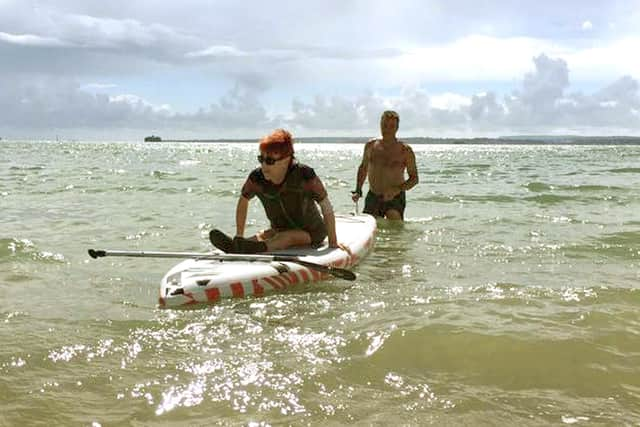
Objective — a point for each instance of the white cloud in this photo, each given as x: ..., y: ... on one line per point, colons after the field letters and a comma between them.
x: 32, y: 40
x: 217, y: 51
x: 587, y: 26
x: 97, y: 87
x: 101, y: 32
x: 470, y: 58
x: 450, y: 101
x: 139, y: 105
x: 612, y: 59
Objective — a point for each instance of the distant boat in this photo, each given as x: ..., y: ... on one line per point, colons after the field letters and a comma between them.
x: 152, y: 138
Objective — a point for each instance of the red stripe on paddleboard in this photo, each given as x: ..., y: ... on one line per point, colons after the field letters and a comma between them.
x: 273, y: 283
x: 258, y: 290
x: 293, y: 278
x: 304, y: 273
x: 213, y: 294
x: 281, y: 280
x: 315, y: 274
x: 283, y: 277
x: 192, y: 300
x: 237, y: 289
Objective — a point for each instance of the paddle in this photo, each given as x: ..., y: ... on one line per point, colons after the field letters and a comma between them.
x: 334, y: 271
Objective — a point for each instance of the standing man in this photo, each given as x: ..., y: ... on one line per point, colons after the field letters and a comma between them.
x: 384, y: 162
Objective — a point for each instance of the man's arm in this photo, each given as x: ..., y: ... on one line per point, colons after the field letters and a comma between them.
x: 241, y: 215
x: 412, y: 170
x: 362, y: 171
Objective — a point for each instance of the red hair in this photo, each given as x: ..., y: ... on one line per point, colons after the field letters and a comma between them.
x: 279, y: 142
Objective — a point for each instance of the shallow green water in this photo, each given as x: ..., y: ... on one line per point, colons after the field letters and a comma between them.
x: 510, y: 295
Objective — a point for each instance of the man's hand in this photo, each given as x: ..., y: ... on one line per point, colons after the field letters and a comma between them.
x: 356, y: 195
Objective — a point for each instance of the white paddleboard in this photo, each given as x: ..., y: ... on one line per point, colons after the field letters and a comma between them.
x: 194, y: 281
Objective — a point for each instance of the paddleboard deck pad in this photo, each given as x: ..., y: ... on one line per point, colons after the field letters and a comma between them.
x: 200, y: 281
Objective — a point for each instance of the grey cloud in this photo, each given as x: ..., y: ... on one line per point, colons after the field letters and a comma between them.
x: 334, y: 113
x: 239, y: 108
x: 623, y: 91
x: 486, y: 111
x: 616, y: 106
x: 89, y: 31
x: 82, y: 43
x: 292, y: 53
x: 536, y: 102
x: 37, y: 107
x: 543, y: 104
x: 361, y: 115
x: 415, y: 108
x: 95, y: 37
x: 336, y: 20
x: 541, y: 88
x: 540, y: 105
x: 58, y: 103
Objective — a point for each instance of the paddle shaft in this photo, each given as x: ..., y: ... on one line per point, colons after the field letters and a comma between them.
x: 334, y: 271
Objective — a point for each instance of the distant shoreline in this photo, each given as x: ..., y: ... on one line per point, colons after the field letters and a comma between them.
x: 511, y: 140
x: 506, y: 140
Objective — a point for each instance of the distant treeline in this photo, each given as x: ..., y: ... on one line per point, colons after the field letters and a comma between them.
x: 515, y: 140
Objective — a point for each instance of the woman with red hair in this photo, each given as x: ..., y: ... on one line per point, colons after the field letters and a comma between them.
x: 289, y: 192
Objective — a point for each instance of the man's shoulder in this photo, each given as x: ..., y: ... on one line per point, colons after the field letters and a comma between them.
x: 372, y: 141
x: 405, y: 146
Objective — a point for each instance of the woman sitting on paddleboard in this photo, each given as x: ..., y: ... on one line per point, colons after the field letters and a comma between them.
x: 289, y: 192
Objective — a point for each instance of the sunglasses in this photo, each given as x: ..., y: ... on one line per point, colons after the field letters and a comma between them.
x: 268, y: 160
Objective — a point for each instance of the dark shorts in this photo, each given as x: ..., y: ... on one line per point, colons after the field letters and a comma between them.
x: 375, y: 205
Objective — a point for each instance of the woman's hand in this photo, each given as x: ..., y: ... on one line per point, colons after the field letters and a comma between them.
x: 342, y: 246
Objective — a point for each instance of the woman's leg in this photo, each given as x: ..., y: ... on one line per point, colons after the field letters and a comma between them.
x: 288, y: 238
x: 264, y: 235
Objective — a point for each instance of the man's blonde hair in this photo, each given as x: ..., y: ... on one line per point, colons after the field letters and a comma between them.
x: 389, y: 114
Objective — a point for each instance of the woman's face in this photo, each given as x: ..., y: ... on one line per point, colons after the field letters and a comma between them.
x: 274, y: 166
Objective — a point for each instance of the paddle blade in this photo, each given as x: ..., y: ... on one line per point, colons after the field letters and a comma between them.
x: 96, y: 253
x: 334, y: 271
x: 342, y: 273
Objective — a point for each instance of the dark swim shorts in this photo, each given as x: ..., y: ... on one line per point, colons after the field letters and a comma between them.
x: 375, y: 205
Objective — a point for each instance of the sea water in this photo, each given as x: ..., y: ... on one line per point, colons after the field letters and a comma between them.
x: 510, y: 295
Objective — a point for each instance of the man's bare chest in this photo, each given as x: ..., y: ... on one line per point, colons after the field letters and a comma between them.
x: 388, y: 157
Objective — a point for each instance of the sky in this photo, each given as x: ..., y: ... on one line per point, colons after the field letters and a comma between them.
x: 228, y: 69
